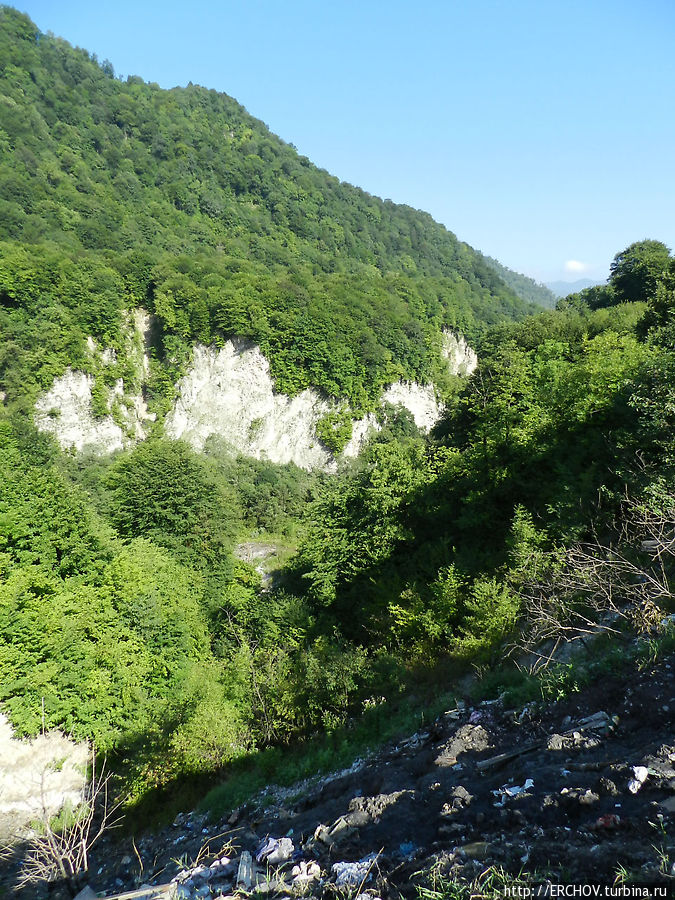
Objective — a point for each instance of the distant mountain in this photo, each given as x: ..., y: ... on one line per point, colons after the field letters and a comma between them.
x: 564, y: 288
x: 524, y: 287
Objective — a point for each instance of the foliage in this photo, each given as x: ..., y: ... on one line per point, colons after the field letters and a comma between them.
x: 334, y: 430
x: 637, y: 270
x: 120, y: 195
x: 123, y: 609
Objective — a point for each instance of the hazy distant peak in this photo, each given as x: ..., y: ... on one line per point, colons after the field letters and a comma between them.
x: 563, y: 288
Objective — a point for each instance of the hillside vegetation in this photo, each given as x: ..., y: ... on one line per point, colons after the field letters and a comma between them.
x: 121, y: 194
x: 125, y: 616
x: 125, y: 612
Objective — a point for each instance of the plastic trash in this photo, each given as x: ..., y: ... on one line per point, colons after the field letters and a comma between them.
x: 245, y: 871
x: 640, y: 774
x: 305, y: 872
x: 275, y: 850
x: 508, y: 791
x: 352, y: 874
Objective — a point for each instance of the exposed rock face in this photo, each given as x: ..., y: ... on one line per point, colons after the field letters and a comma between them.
x: 66, y: 410
x: 419, y: 399
x: 230, y: 393
x: 38, y: 776
x: 462, y: 359
x: 361, y: 431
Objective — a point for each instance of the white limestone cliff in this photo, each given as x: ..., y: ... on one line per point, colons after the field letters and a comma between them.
x: 228, y: 393
x: 66, y: 409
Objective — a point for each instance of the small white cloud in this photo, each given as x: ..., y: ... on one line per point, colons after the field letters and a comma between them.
x: 574, y: 267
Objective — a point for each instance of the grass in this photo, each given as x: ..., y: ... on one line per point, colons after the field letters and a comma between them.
x: 561, y: 680
x: 389, y: 720
x: 338, y: 749
x: 489, y: 884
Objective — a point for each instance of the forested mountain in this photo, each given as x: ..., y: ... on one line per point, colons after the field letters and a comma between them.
x: 117, y: 194
x: 128, y: 611
x: 526, y: 288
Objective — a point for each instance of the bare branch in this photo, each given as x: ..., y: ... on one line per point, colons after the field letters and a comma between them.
x: 594, y: 585
x: 59, y: 847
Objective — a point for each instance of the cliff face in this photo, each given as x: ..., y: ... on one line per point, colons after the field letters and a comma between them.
x: 67, y: 409
x: 37, y: 777
x: 230, y: 393
x: 227, y: 392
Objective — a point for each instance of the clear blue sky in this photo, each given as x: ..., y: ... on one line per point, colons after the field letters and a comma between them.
x: 540, y: 131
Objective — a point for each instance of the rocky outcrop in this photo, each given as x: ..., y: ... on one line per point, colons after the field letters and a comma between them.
x: 37, y: 777
x: 419, y: 399
x: 229, y: 393
x: 462, y: 359
x: 67, y: 409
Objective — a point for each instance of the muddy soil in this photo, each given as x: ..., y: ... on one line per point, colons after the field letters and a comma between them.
x: 584, y: 789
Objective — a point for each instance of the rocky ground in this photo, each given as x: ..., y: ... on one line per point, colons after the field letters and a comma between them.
x: 580, y: 790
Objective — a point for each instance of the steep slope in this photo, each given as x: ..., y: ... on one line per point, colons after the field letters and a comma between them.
x: 125, y: 195
x: 526, y: 288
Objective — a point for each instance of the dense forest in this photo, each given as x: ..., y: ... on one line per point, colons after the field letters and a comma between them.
x: 121, y: 194
x: 526, y: 288
x: 125, y: 615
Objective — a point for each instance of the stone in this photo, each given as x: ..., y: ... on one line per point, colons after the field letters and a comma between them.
x: 476, y: 850
x: 245, y: 871
x: 467, y: 738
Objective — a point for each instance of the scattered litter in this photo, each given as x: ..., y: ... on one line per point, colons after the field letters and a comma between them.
x: 607, y: 823
x: 527, y: 712
x: 412, y: 742
x: 305, y: 872
x: 352, y: 874
x: 245, y: 873
x: 640, y: 774
x: 407, y: 848
x: 509, y: 791
x: 275, y: 850
x: 585, y: 797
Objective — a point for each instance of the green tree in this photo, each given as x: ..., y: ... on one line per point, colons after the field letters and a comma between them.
x: 636, y: 271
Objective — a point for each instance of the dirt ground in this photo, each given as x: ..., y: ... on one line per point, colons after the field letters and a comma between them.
x: 585, y: 792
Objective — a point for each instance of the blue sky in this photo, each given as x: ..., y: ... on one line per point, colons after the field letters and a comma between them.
x: 541, y: 132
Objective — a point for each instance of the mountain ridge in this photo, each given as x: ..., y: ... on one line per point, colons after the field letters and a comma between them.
x: 182, y: 202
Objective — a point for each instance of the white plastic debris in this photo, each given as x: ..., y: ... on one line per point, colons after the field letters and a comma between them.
x: 352, y: 874
x: 275, y: 850
x: 509, y: 791
x: 640, y: 774
x: 245, y: 872
x: 305, y: 872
